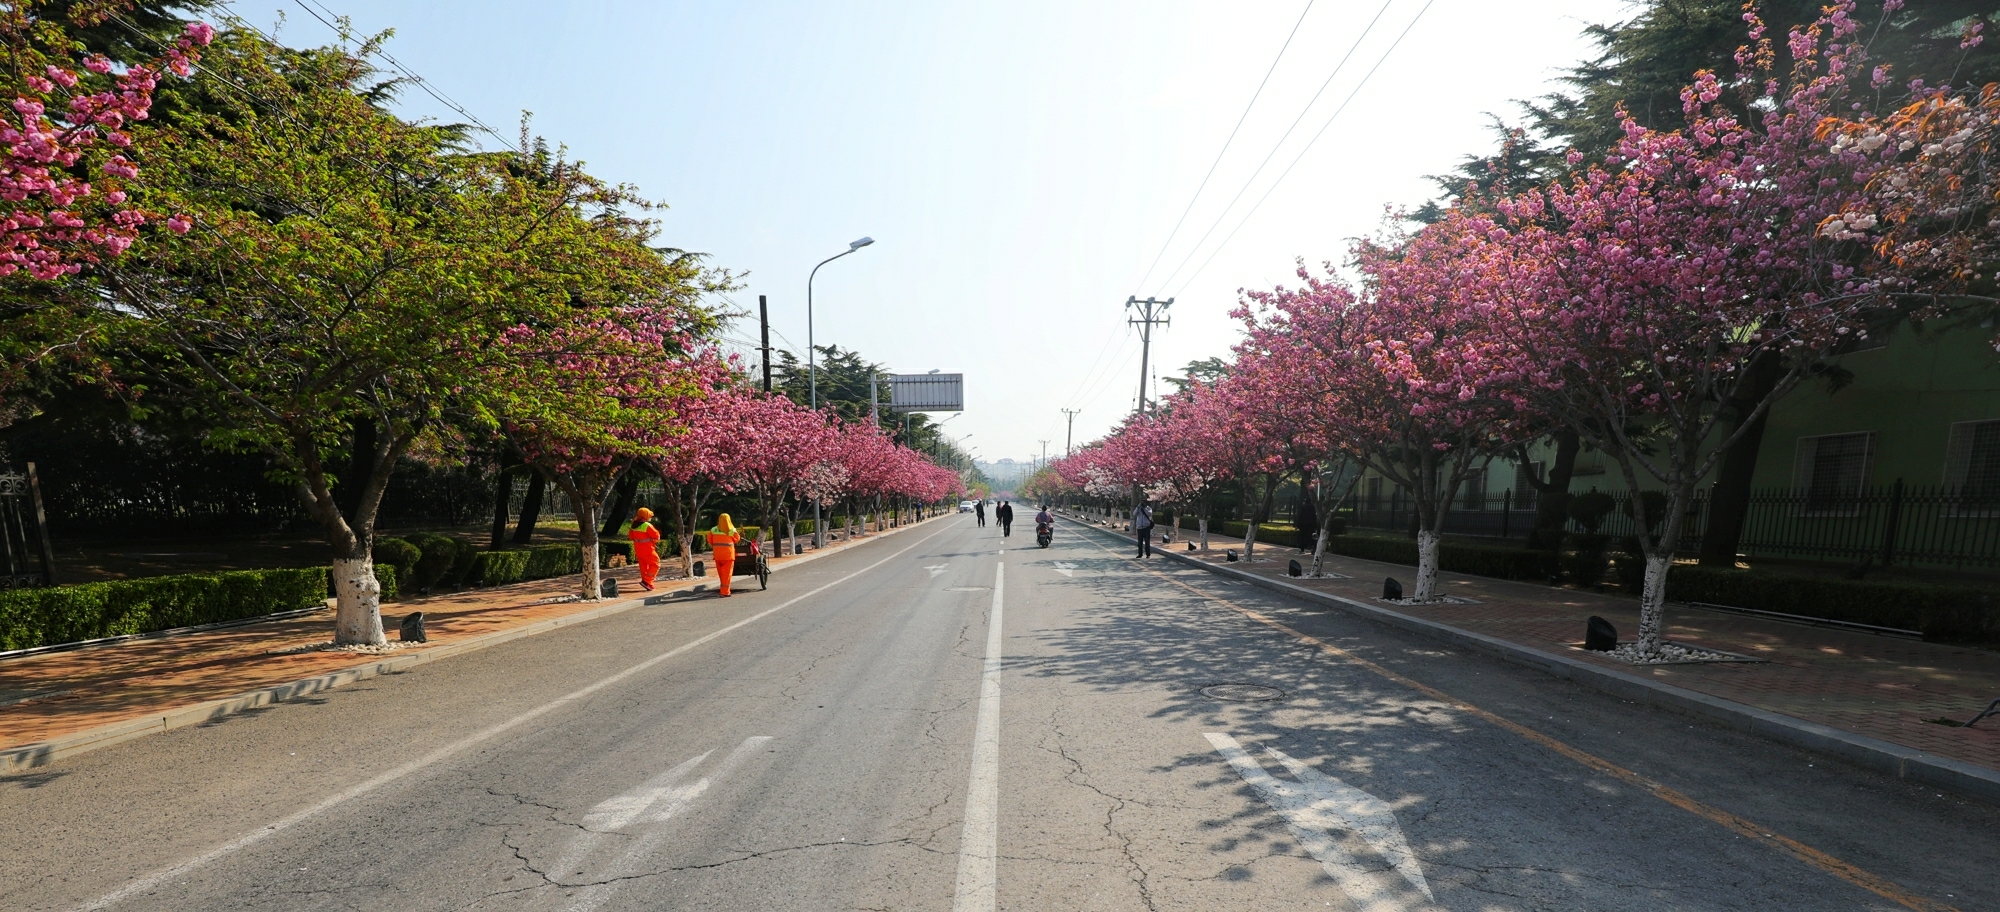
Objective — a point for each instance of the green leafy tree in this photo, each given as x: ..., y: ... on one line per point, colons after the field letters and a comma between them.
x: 347, y: 273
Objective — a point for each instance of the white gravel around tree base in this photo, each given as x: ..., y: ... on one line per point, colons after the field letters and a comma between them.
x: 1669, y: 654
x: 385, y: 648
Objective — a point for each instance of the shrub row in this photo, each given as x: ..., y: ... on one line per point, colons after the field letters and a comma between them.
x: 1480, y: 560
x: 89, y: 611
x: 1268, y: 533
x: 1942, y: 613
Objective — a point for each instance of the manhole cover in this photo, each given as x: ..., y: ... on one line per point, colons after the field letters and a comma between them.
x: 1243, y: 693
x: 970, y: 589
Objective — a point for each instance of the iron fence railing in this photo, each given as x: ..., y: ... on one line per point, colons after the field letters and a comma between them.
x: 1883, y: 525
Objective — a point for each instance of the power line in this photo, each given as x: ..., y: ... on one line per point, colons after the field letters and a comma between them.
x: 413, y: 76
x: 1308, y: 147
x: 1099, y: 359
x: 1093, y: 382
x: 1225, y: 145
x: 1224, y: 214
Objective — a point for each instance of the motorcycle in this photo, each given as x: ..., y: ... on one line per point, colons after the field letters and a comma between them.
x: 1044, y: 532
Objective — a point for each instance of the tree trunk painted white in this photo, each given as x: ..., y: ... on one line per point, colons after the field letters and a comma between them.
x: 1203, y: 522
x: 357, y: 617
x: 1319, y: 545
x: 1250, y: 541
x: 1427, y: 566
x: 1653, y: 602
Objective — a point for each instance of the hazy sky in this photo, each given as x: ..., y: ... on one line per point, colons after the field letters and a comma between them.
x: 1020, y: 164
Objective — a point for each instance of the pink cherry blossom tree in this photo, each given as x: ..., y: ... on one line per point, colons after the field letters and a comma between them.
x: 1633, y: 299
x: 591, y: 398
x: 1385, y: 375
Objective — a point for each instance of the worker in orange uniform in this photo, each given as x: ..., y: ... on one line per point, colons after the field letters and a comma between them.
x: 722, y: 548
x: 644, y: 537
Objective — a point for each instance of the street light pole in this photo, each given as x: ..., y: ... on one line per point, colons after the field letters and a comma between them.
x: 812, y: 364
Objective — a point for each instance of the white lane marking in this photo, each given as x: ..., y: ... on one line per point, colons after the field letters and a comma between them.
x: 615, y: 813
x: 979, y: 846
x: 665, y: 792
x: 1316, y: 808
x: 428, y: 761
x: 1066, y: 568
x: 678, y: 800
x: 654, y: 802
x: 940, y: 568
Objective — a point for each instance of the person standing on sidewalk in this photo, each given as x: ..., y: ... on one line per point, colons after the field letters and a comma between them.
x: 645, y: 537
x: 1142, y: 528
x: 722, y: 549
x: 1005, y: 514
x: 979, y: 509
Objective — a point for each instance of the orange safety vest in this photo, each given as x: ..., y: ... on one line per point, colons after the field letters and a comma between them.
x: 643, y: 535
x: 723, y: 545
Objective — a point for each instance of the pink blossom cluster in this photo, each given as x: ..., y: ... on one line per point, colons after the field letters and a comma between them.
x: 55, y: 220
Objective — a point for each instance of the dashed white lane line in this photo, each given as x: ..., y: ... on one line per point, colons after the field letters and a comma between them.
x: 157, y: 879
x: 979, y: 846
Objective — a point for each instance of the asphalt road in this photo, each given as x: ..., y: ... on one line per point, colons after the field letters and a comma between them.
x: 862, y: 736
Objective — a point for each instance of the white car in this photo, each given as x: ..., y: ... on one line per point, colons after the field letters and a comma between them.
x: 965, y: 506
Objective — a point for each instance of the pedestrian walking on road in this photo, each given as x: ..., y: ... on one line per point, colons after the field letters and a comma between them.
x: 722, y: 549
x: 1142, y: 528
x: 645, y: 539
x: 1005, y: 514
x: 979, y: 509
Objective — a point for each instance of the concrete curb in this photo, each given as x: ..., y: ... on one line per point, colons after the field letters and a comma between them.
x: 43, y: 753
x: 1905, y: 763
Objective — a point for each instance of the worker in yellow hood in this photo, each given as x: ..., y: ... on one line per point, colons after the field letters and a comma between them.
x: 722, y: 548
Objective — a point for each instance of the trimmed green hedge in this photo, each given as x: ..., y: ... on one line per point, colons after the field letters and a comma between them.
x: 1945, y: 613
x: 1269, y: 533
x: 398, y: 553
x: 440, y: 555
x: 497, y: 568
x: 1505, y: 563
x: 89, y: 611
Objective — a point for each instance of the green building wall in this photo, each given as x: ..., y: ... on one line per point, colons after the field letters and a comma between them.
x: 1908, y: 393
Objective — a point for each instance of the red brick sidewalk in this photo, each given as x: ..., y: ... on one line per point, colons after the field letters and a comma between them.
x: 1878, y: 686
x: 63, y: 694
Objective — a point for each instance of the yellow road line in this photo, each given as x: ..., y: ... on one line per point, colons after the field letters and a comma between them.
x: 1865, y: 880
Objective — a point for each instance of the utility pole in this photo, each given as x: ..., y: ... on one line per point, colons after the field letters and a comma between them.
x: 1069, y: 432
x: 764, y: 323
x: 1151, y: 311
x: 1045, y: 456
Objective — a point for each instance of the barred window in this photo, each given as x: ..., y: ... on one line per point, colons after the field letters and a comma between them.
x: 1829, y: 471
x: 1972, y: 467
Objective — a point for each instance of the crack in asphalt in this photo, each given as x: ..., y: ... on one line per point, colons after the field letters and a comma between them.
x: 1141, y: 878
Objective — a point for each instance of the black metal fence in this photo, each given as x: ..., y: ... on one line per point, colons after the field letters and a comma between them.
x: 1885, y: 525
x: 25, y: 556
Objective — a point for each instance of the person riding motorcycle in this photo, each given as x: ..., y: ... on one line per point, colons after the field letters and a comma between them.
x: 1045, y: 524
